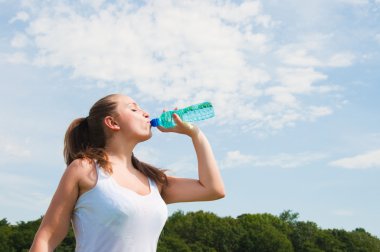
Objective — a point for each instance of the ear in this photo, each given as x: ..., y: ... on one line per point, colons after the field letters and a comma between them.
x: 110, y: 122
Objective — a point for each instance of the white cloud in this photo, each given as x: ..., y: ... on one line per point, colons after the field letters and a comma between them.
x: 19, y: 41
x: 316, y: 112
x: 146, y: 154
x: 297, y: 57
x: 299, y: 80
x: 94, y: 3
x: 377, y: 36
x: 16, y: 58
x: 14, y: 149
x: 183, y: 52
x: 354, y: 2
x: 367, y: 160
x: 343, y: 212
x: 286, y: 160
x: 306, y: 54
x: 181, y: 165
x: 235, y: 159
x: 341, y: 60
x: 20, y: 16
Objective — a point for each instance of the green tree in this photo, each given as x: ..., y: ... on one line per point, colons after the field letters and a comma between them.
x: 264, y: 232
x: 5, y: 234
x: 289, y: 217
x: 304, y: 237
x: 206, y: 232
x: 357, y: 240
x: 172, y: 243
x: 202, y: 231
x: 23, y: 234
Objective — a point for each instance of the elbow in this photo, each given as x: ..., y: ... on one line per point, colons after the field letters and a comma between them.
x: 219, y: 194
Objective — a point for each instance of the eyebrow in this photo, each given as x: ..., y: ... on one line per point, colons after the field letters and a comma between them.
x: 134, y: 103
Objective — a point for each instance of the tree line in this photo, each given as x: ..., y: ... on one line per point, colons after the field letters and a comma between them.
x: 205, y: 231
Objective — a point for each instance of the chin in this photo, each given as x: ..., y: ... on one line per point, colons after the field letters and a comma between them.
x: 146, y: 137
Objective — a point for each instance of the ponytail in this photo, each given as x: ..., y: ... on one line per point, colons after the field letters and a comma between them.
x: 77, y: 144
x: 76, y: 139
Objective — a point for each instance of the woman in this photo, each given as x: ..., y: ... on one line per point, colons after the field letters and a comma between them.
x: 115, y: 202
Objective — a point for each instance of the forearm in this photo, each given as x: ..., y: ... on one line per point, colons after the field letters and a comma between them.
x: 47, y: 239
x: 40, y: 245
x: 208, y: 171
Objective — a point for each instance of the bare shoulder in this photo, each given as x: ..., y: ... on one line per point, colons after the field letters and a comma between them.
x: 79, y: 167
x: 84, y: 172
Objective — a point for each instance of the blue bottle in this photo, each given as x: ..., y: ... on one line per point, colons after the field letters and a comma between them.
x: 192, y: 113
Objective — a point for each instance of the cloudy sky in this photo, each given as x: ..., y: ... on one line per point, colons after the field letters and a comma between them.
x: 295, y: 86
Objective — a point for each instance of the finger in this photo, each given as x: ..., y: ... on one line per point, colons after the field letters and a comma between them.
x: 182, y: 124
x: 162, y: 129
x: 176, y: 118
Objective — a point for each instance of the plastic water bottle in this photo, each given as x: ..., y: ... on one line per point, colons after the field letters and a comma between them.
x: 192, y: 113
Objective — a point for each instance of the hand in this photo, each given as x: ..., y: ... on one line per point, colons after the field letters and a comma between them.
x: 181, y: 127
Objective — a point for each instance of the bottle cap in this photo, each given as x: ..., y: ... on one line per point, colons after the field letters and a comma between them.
x: 155, y: 122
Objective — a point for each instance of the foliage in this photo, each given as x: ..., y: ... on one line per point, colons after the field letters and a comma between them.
x: 206, y: 232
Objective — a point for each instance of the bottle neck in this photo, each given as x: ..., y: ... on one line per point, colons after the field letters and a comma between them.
x: 155, y: 122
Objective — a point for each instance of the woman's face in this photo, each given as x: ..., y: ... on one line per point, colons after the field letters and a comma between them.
x: 134, y: 122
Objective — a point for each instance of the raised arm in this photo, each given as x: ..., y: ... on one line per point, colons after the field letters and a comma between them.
x: 56, y: 222
x: 209, y: 185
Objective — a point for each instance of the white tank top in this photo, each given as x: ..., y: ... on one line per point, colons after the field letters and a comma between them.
x: 112, y: 218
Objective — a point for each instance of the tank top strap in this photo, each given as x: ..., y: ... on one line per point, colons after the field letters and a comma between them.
x: 100, y: 172
x: 152, y: 185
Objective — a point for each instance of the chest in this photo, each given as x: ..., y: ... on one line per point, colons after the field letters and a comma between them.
x: 109, y: 200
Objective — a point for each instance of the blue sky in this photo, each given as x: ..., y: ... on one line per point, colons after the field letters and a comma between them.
x: 295, y: 85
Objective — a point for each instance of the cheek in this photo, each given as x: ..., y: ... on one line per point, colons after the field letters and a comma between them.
x: 127, y: 123
x: 134, y: 125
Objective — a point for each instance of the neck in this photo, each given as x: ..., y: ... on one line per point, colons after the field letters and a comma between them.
x: 120, y: 153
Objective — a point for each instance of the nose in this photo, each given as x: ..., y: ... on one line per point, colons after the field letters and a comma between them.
x: 145, y: 114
